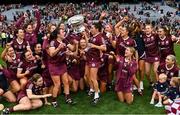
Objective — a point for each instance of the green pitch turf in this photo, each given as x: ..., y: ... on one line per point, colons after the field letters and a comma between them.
x: 108, y: 103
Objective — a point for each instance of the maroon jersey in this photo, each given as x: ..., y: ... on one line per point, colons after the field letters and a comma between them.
x: 151, y: 46
x: 108, y: 43
x: 31, y: 66
x: 93, y: 54
x: 122, y: 44
x: 37, y: 90
x: 170, y: 72
x: 14, y: 64
x: 124, y: 74
x: 31, y: 38
x: 166, y: 48
x: 60, y: 57
x: 19, y: 48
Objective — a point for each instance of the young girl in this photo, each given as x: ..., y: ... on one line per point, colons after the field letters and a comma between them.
x: 173, y: 91
x: 160, y: 88
x: 30, y: 96
x: 126, y: 69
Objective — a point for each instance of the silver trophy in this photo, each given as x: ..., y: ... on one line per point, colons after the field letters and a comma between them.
x: 77, y: 22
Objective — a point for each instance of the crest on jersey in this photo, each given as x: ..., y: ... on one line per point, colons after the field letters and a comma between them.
x: 162, y: 70
x: 162, y: 43
x: 172, y: 74
x: 94, y: 39
x: 93, y: 64
x: 167, y: 42
x: 156, y: 58
x: 20, y: 47
x: 152, y: 37
x: 14, y: 61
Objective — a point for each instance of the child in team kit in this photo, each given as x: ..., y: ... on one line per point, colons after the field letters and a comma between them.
x: 160, y: 88
x: 173, y: 92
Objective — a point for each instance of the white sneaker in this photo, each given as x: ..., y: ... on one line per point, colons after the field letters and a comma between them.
x: 141, y: 85
x: 159, y: 105
x: 134, y: 87
x: 152, y: 102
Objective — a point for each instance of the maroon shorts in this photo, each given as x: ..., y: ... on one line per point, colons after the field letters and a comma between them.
x: 20, y: 95
x: 47, y: 78
x: 103, y: 76
x: 10, y: 75
x: 82, y: 68
x: 152, y: 59
x: 74, y: 72
x: 122, y: 86
x: 57, y: 69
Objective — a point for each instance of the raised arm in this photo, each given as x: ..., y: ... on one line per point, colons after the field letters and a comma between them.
x: 38, y: 18
x: 116, y: 27
x: 21, y: 20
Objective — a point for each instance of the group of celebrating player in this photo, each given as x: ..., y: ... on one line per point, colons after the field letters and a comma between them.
x: 75, y: 61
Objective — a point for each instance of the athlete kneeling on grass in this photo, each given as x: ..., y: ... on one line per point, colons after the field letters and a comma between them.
x: 29, y: 98
x: 126, y: 69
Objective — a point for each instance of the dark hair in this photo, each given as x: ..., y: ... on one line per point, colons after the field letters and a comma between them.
x: 16, y: 31
x: 30, y: 22
x: 23, y: 57
x: 53, y: 35
x: 36, y: 45
x: 98, y: 26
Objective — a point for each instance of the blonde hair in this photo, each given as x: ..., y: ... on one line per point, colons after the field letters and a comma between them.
x: 163, y: 76
x: 133, y: 51
x: 172, y: 57
x: 176, y: 81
